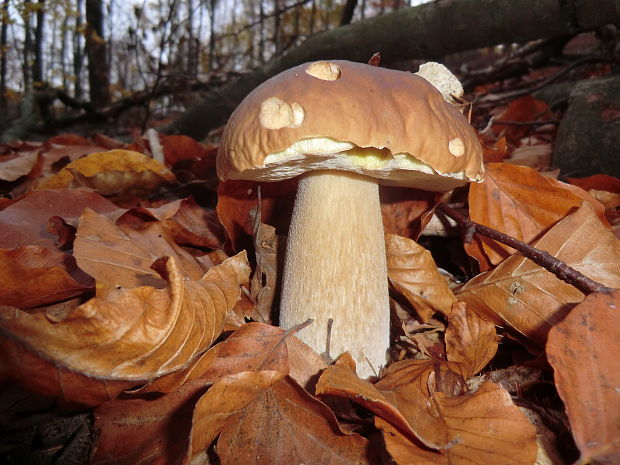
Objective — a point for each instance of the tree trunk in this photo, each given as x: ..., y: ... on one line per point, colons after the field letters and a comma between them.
x: 78, y: 55
x: 277, y: 27
x: 64, y: 33
x: 190, y: 54
x: 428, y: 31
x: 98, y: 72
x: 347, y: 12
x: 211, y: 60
x: 26, y: 68
x: 3, y: 53
x: 261, y: 33
x: 37, y: 67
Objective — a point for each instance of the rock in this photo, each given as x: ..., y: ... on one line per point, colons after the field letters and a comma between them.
x: 588, y: 137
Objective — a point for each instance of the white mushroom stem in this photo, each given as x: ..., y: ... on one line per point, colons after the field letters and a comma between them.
x: 335, y: 268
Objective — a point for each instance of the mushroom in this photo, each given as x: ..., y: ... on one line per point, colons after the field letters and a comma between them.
x: 345, y: 128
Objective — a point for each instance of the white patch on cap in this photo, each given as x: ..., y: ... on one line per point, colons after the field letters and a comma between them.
x: 324, y: 70
x: 442, y: 79
x: 275, y: 113
x: 456, y: 147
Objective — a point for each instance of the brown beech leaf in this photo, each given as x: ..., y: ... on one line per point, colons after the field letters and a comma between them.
x: 600, y: 182
x: 112, y: 172
x: 604, y: 188
x: 482, y: 427
x: 194, y: 226
x: 18, y: 165
x: 39, y: 376
x: 522, y: 203
x: 118, y: 255
x: 237, y: 198
x: 404, y: 451
x: 523, y: 109
x: 131, y: 335
x: 33, y: 276
x: 470, y: 340
x: 253, y: 347
x: 154, y: 430
x: 265, y: 418
x: 494, y: 151
x: 25, y: 221
x: 403, y: 207
x: 413, y: 273
x: 584, y: 353
x: 341, y: 380
x: 530, y: 299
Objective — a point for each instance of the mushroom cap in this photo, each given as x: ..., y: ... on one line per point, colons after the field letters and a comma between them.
x: 341, y: 115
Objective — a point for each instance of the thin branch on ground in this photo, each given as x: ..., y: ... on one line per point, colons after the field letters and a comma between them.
x: 495, y: 98
x: 542, y: 258
x: 527, y: 123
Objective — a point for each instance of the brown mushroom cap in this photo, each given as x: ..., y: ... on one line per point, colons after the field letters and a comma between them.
x: 388, y: 124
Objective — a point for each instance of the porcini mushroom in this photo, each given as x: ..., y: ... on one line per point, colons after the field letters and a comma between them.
x: 345, y: 128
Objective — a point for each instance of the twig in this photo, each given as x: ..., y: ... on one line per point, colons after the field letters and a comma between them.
x: 494, y: 99
x: 526, y: 123
x: 542, y: 258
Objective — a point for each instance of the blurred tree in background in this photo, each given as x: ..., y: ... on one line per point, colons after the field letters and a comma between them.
x: 88, y: 54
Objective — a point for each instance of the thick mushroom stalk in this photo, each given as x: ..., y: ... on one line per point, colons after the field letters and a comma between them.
x: 335, y: 268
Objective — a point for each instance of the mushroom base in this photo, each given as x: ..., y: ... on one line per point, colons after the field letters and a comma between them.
x: 335, y: 269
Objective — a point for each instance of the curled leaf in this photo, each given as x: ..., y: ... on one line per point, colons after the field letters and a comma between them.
x: 130, y: 335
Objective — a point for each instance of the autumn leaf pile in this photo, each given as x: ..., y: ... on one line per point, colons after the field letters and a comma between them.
x: 137, y: 301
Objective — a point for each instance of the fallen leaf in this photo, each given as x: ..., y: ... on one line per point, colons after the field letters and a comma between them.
x: 602, y: 182
x: 195, y: 226
x: 178, y: 147
x: 402, y: 209
x: 404, y: 451
x: 263, y: 418
x: 32, y: 276
x: 253, y: 347
x: 495, y: 151
x: 342, y: 381
x: 520, y: 202
x: 604, y: 188
x: 533, y: 154
x: 413, y: 273
x: 149, y: 430
x: 18, y: 165
x: 524, y: 109
x: 471, y: 341
x: 237, y: 198
x: 530, y: 299
x: 584, y: 353
x: 25, y: 221
x: 130, y: 335
x: 68, y: 139
x: 27, y: 369
x: 118, y: 255
x: 106, y: 142
x: 111, y: 173
x: 482, y: 427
